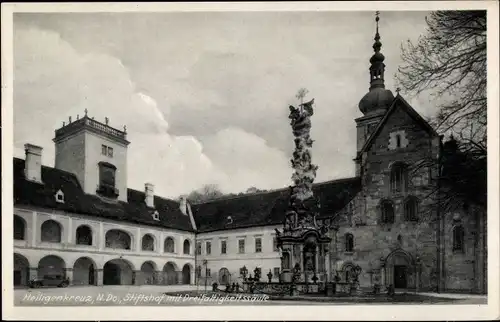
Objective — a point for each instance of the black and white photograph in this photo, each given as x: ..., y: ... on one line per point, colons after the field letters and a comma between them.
x: 218, y: 157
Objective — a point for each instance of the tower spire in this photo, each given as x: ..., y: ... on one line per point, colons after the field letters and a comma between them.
x: 377, y: 67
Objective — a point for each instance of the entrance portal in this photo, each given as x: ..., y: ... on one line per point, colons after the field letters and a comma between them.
x: 118, y: 272
x: 84, y: 272
x: 186, y: 274
x: 400, y: 277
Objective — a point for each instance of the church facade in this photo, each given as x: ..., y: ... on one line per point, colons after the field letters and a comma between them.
x: 79, y: 219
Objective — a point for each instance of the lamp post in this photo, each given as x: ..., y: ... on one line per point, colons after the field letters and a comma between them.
x: 205, y: 262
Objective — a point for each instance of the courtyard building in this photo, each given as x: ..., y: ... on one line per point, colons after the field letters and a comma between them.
x: 80, y: 220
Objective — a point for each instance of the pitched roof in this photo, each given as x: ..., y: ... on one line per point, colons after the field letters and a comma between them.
x: 408, y: 109
x: 77, y: 201
x: 268, y: 208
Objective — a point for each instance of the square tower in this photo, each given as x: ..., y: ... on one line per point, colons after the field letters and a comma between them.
x: 97, y: 154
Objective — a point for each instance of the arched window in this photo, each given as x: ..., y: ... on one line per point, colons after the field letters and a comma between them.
x: 84, y: 235
x: 169, y: 245
x: 411, y: 209
x: 19, y: 228
x: 187, y: 247
x: 118, y: 239
x: 349, y: 242
x: 458, y: 238
x: 398, y: 140
x: 51, y: 232
x: 399, y: 178
x: 387, y: 209
x: 148, y: 243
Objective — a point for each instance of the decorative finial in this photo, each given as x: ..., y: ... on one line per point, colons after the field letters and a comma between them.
x: 398, y: 90
x: 106, y: 120
x: 92, y: 117
x: 77, y: 116
x: 377, y: 45
x: 70, y: 119
x: 301, y: 94
x: 64, y: 123
x: 86, y: 111
x: 125, y: 129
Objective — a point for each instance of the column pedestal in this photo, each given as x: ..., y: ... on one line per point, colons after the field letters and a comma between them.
x: 137, y: 278
x: 179, y: 277
x: 100, y: 277
x: 69, y: 275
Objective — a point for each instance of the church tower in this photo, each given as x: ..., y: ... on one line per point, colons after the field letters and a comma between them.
x: 378, y: 99
x: 96, y: 153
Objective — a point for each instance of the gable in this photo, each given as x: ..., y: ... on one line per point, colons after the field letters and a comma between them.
x: 400, y: 115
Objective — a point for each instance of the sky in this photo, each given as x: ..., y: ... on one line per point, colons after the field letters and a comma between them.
x: 205, y: 95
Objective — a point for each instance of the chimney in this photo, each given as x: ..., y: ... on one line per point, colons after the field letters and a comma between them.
x: 183, y: 205
x: 150, y: 195
x: 33, y: 163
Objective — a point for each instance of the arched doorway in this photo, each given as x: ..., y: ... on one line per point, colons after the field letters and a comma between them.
x: 84, y: 272
x: 19, y: 228
x: 186, y: 274
x: 148, y: 273
x: 21, y: 270
x: 169, y: 274
x: 400, y: 270
x: 51, y: 265
x: 118, y: 272
x: 224, y: 276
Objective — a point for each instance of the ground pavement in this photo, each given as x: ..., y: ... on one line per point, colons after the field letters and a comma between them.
x: 182, y: 295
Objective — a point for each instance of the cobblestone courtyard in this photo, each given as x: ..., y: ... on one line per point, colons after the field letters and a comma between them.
x: 183, y: 295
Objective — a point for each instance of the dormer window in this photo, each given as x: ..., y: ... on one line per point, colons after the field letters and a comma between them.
x: 59, y: 196
x: 156, y: 215
x: 229, y: 220
x: 107, y: 173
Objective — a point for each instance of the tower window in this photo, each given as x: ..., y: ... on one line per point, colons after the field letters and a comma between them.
x: 387, y: 209
x: 398, y: 141
x: 411, y: 209
x: 458, y: 239
x: 399, y: 178
x: 349, y: 242
x: 110, y: 152
x: 104, y: 150
x: 107, y: 173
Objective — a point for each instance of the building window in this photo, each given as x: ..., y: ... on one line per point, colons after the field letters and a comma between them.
x: 258, y: 245
x: 51, y: 231
x: 398, y: 140
x: 169, y: 245
x: 104, y: 150
x: 223, y: 247
x: 118, y: 239
x: 107, y: 180
x: 148, y: 243
x: 399, y: 178
x: 198, y: 248
x: 208, y: 247
x: 110, y: 152
x: 84, y: 235
x: 458, y: 238
x: 276, y: 272
x: 241, y: 246
x: 387, y: 212
x: 187, y: 247
x: 208, y: 272
x: 349, y: 242
x: 275, y: 244
x: 19, y: 228
x: 411, y: 209
x: 198, y: 271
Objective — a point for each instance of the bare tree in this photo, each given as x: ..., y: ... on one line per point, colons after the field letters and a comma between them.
x: 450, y: 62
x: 205, y: 193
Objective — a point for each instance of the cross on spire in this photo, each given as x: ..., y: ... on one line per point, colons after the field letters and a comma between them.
x: 398, y: 90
